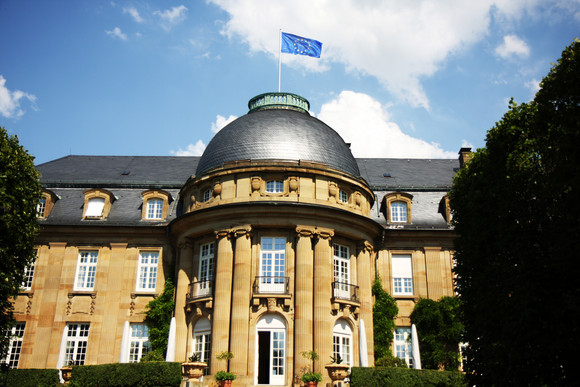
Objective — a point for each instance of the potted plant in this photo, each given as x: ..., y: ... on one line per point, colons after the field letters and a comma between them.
x: 66, y: 370
x: 337, y: 370
x: 224, y: 378
x: 193, y: 369
x: 311, y: 378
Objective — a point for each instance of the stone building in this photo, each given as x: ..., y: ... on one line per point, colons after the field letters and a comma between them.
x: 272, y: 237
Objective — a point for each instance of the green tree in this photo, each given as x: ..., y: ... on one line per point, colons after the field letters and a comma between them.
x: 440, y: 331
x: 158, y: 319
x: 516, y: 212
x: 19, y: 194
x: 384, y: 311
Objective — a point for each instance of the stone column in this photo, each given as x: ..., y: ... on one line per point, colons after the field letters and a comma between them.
x: 322, y: 296
x: 184, y: 272
x: 303, y: 298
x: 239, y: 333
x: 365, y: 281
x: 222, y: 298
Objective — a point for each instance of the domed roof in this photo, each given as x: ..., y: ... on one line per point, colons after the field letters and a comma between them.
x: 278, y: 131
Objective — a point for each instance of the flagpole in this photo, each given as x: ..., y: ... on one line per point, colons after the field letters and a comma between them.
x: 279, y: 58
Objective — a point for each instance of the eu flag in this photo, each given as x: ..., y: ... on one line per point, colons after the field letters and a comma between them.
x: 297, y: 45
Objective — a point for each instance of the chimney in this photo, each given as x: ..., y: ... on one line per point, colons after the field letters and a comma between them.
x: 464, y: 156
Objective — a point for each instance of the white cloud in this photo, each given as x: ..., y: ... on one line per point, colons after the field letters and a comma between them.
x: 512, y: 46
x: 171, y: 17
x: 132, y: 11
x: 397, y: 42
x: 365, y: 123
x: 533, y: 86
x: 220, y: 122
x: 10, y: 100
x: 466, y: 144
x: 191, y: 150
x: 116, y: 32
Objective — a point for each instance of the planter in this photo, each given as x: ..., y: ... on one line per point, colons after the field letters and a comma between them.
x: 66, y: 373
x: 311, y: 384
x: 337, y: 371
x: 225, y: 383
x: 193, y: 370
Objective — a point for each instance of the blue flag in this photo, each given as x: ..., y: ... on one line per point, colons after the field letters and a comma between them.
x: 297, y: 45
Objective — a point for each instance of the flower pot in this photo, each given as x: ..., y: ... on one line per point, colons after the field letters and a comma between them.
x: 337, y: 371
x: 311, y: 384
x: 225, y: 383
x: 66, y: 373
x: 193, y: 370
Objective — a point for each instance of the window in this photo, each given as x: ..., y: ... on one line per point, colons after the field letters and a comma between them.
x: 398, y: 212
x: 341, y: 272
x: 343, y: 196
x: 95, y: 208
x: 76, y: 342
x: 402, y: 274
x: 155, y: 209
x: 139, y: 343
x: 342, y: 341
x: 274, y: 186
x: 16, y: 333
x: 205, y: 269
x: 86, y: 270
x: 270, y: 366
x: 202, y: 342
x: 273, y: 265
x: 403, y: 346
x: 206, y: 195
x: 28, y: 276
x: 41, y: 207
x: 147, y: 270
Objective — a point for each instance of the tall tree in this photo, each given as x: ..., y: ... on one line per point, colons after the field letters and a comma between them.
x: 516, y: 212
x: 19, y: 194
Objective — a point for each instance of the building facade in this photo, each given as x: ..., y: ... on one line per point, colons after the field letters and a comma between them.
x: 273, y: 238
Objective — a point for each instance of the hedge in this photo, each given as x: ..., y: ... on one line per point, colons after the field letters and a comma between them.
x: 385, y: 376
x: 30, y: 377
x: 162, y: 374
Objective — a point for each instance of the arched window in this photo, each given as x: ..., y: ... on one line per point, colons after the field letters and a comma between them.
x: 155, y: 204
x: 271, y: 351
x: 202, y: 341
x: 342, y: 341
x: 397, y: 208
x: 95, y: 208
x: 398, y: 212
x: 98, y: 204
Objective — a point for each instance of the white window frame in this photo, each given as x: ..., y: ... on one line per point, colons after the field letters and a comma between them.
x: 154, y: 208
x: 147, y: 271
x: 272, y: 264
x: 206, y: 268
x: 86, y: 272
x: 402, y: 269
x: 16, y: 334
x: 276, y: 326
x: 274, y: 186
x: 139, y: 344
x: 206, y: 195
x: 342, y: 341
x: 202, y: 342
x: 399, y: 212
x: 343, y: 196
x: 41, y: 207
x: 76, y: 341
x: 403, y: 345
x: 29, y: 275
x: 341, y: 271
x: 95, y: 207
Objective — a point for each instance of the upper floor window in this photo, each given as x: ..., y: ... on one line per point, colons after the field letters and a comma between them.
x: 396, y: 207
x: 155, y: 204
x: 343, y: 196
x: 97, y: 203
x: 86, y: 270
x: 206, y: 262
x: 206, y: 195
x: 28, y: 276
x: 272, y: 265
x: 341, y: 272
x: 402, y: 269
x: 274, y: 186
x: 147, y: 270
x: 45, y: 204
x: 16, y: 333
x: 41, y: 207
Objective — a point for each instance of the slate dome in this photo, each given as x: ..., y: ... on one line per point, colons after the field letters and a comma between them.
x: 278, y: 127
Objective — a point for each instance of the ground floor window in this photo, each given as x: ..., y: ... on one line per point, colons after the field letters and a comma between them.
x: 403, y: 346
x: 342, y: 341
x: 76, y: 343
x: 271, y: 351
x: 202, y: 342
x: 139, y: 344
x: 16, y: 333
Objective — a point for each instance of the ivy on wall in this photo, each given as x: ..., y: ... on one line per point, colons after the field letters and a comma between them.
x: 384, y: 312
x: 158, y: 319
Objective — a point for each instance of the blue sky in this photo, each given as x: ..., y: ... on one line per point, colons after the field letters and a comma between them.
x: 416, y: 79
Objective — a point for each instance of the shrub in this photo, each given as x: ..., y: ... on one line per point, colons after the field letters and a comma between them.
x: 385, y: 377
x: 30, y: 377
x: 148, y: 374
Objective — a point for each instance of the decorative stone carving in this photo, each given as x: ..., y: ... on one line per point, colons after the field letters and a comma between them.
x: 217, y: 189
x: 332, y: 191
x: 293, y: 185
x: 256, y: 184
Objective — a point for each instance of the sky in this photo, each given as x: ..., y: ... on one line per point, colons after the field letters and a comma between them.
x: 402, y: 79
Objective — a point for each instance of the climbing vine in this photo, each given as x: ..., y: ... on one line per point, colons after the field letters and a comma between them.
x: 158, y: 319
x: 384, y: 312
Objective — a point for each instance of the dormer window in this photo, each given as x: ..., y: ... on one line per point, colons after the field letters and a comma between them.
x: 45, y: 203
x: 155, y: 204
x: 97, y: 204
x: 274, y: 186
x: 41, y: 207
x: 397, y: 208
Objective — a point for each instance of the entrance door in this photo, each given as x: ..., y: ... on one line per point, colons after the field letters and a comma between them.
x: 271, y: 351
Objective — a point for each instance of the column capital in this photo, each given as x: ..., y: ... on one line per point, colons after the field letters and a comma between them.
x: 305, y: 231
x: 241, y: 231
x: 227, y: 233
x: 324, y: 233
